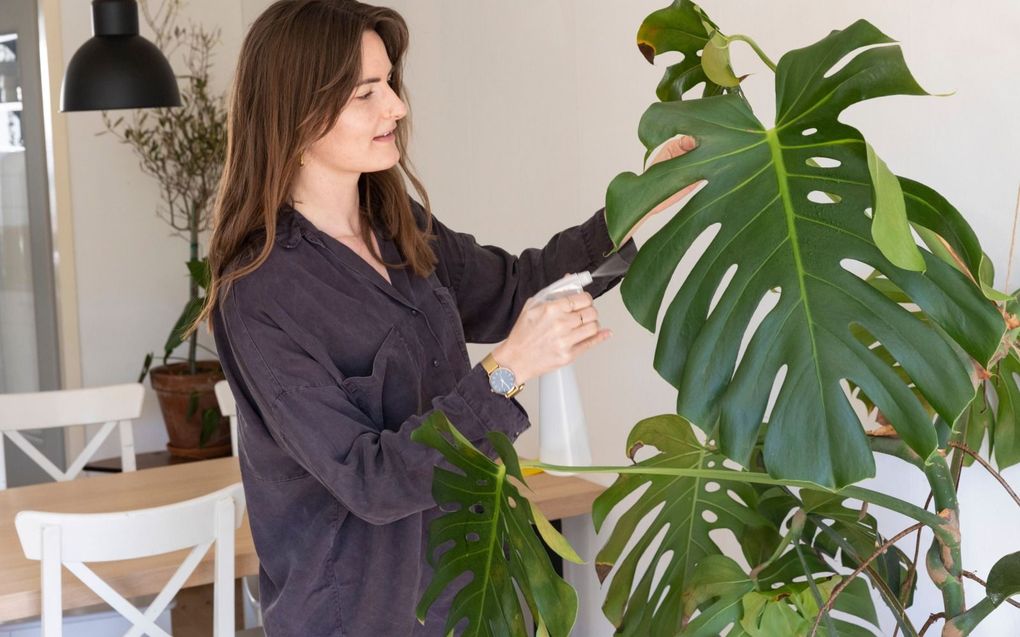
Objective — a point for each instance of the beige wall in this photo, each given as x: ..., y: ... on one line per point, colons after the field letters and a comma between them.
x: 523, y: 114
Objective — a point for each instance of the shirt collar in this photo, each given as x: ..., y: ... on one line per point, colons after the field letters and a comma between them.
x: 291, y: 227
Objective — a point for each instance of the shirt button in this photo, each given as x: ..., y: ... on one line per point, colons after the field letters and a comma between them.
x: 435, y: 362
x: 414, y: 312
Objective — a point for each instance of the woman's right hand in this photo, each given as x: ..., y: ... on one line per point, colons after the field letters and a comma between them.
x: 549, y: 335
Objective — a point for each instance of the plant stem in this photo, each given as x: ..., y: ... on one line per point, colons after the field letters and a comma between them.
x: 894, y: 446
x: 959, y: 433
x: 984, y: 463
x: 757, y: 49
x: 912, y: 569
x: 891, y: 599
x: 793, y: 535
x: 982, y: 582
x: 857, y: 571
x: 937, y: 524
x: 944, y: 559
x: 968, y: 621
x: 1012, y: 239
x: 931, y: 620
x: 817, y: 594
x: 193, y: 340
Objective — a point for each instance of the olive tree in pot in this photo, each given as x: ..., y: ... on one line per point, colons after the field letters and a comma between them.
x: 870, y: 343
x: 183, y: 149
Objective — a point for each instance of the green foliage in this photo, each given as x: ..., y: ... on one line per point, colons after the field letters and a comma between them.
x: 688, y: 581
x: 790, y: 206
x: 490, y: 523
x: 726, y: 596
x: 786, y: 222
x: 1004, y: 578
x: 682, y: 28
x: 210, y: 423
x: 686, y: 511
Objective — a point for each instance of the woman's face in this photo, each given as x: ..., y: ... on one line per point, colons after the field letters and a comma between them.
x: 354, y: 144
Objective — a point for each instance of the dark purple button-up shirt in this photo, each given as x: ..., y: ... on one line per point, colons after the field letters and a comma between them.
x: 332, y: 368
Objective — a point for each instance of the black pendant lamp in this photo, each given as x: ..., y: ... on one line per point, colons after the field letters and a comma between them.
x: 117, y: 68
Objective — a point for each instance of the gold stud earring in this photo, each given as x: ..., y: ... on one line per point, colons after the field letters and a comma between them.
x: 301, y: 159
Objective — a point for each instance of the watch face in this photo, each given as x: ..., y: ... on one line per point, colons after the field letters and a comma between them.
x: 502, y: 380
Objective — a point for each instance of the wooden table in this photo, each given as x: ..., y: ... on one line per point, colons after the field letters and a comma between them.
x: 557, y: 497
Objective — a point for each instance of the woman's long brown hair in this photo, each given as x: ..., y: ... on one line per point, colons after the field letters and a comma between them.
x: 299, y: 65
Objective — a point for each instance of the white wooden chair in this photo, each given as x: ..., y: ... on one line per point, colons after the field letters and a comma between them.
x: 228, y: 407
x: 112, y: 405
x: 72, y: 539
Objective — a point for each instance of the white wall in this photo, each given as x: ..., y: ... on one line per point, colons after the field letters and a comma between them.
x: 523, y: 114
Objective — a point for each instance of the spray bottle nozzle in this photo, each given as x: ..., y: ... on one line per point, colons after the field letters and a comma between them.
x: 570, y: 284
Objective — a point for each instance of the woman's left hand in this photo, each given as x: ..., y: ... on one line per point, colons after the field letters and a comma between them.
x: 673, y: 148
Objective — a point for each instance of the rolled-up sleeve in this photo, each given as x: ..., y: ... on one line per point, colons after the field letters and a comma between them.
x: 491, y: 285
x: 379, y: 475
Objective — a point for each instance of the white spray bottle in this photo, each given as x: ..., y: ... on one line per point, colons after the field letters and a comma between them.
x: 563, y: 434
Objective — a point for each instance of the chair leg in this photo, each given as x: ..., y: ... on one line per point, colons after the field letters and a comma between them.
x: 223, y: 578
x: 250, y: 586
x: 52, y: 604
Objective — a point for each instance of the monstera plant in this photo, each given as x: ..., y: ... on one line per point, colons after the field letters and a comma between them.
x: 868, y: 342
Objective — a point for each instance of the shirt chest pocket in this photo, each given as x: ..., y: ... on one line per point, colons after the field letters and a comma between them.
x: 452, y: 321
x: 392, y: 392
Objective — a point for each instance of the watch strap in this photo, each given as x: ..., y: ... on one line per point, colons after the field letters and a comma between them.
x: 489, y: 363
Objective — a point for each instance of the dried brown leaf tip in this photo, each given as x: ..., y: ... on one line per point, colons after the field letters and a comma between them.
x: 634, y: 449
x: 648, y: 51
x: 602, y: 570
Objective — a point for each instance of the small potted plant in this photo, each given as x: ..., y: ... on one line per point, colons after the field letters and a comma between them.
x: 184, y: 149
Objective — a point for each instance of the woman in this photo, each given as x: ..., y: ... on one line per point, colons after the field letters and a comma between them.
x: 341, y: 308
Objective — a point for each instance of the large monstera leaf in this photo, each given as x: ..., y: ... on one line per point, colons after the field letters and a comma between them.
x: 687, y: 586
x: 484, y: 514
x: 793, y: 205
x: 690, y: 509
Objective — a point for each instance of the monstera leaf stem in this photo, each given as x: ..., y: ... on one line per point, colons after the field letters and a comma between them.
x: 819, y: 598
x: 937, y: 524
x: 894, y: 446
x: 968, y: 621
x: 757, y: 49
x: 793, y: 535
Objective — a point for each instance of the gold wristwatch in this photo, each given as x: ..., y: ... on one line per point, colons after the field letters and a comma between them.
x: 501, y: 379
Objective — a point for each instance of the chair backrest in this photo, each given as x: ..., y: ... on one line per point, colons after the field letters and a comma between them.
x: 228, y: 407
x: 72, y: 539
x: 112, y: 406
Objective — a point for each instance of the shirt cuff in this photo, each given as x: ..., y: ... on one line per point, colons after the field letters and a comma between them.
x: 487, y: 410
x: 600, y: 244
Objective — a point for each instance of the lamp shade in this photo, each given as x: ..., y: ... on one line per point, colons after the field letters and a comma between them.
x: 117, y: 68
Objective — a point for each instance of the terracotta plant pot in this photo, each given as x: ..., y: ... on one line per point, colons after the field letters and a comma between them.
x: 174, y: 386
